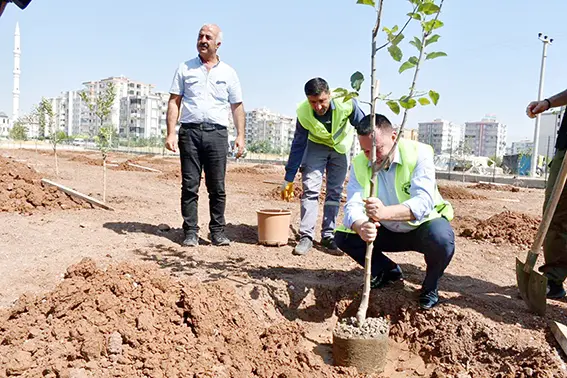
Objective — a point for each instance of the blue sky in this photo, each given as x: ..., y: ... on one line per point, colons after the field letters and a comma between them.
x: 492, y: 66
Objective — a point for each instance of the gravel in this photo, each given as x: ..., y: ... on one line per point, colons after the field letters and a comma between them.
x: 372, y: 328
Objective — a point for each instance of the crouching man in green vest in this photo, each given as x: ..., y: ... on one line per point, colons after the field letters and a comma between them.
x: 321, y: 143
x: 406, y: 213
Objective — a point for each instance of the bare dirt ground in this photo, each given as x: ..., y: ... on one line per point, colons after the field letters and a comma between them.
x: 86, y: 292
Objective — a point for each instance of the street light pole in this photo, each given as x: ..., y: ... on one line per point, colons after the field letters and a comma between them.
x: 546, y: 41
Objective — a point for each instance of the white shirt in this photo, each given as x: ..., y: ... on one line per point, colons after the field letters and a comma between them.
x: 422, y: 189
x: 207, y: 95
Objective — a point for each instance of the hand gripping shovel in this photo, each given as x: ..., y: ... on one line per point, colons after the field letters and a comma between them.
x: 532, y: 285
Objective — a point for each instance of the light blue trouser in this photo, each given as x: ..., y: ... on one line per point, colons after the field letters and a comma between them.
x: 316, y: 159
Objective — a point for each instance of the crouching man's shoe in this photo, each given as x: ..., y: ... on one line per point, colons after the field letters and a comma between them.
x: 555, y: 290
x: 219, y: 239
x: 387, y: 277
x: 428, y: 299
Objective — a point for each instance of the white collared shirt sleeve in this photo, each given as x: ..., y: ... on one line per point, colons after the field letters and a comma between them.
x: 423, y: 185
x: 177, y: 83
x: 354, y: 207
x: 234, y: 89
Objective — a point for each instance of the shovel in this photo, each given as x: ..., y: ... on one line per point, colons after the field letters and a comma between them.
x: 533, y: 285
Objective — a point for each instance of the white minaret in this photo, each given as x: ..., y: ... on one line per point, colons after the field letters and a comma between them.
x: 16, y: 92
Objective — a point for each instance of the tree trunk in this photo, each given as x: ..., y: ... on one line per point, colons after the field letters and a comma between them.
x: 104, y: 179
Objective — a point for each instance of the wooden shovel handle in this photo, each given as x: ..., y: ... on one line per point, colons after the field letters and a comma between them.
x: 547, y: 216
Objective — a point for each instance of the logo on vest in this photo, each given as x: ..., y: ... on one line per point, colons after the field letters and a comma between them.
x: 406, y: 188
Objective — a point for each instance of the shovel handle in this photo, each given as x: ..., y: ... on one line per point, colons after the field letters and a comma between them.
x: 547, y: 216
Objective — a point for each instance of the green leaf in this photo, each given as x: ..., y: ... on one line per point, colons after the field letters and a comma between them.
x: 408, y: 104
x: 417, y: 43
x: 366, y: 2
x: 340, y: 92
x: 351, y: 95
x: 395, y: 39
x: 434, y: 38
x: 434, y: 55
x: 356, y: 80
x: 413, y: 60
x: 429, y: 8
x: 424, y: 101
x: 415, y: 16
x: 434, y: 97
x: 395, y: 52
x: 393, y: 105
x: 431, y: 25
x: 406, y: 66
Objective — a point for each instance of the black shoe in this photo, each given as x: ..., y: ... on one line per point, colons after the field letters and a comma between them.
x: 191, y: 239
x: 329, y: 243
x: 385, y: 278
x: 428, y: 299
x: 302, y: 248
x: 219, y: 239
x: 555, y: 290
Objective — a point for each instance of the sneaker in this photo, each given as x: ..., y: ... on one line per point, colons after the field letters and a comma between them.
x: 191, y: 239
x: 429, y: 299
x: 555, y: 290
x: 219, y: 239
x: 385, y: 278
x: 329, y: 243
x: 303, y: 247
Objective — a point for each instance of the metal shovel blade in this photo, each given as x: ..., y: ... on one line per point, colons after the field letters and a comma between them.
x: 533, y: 288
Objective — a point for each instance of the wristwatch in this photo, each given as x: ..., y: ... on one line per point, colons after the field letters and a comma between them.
x: 548, y: 103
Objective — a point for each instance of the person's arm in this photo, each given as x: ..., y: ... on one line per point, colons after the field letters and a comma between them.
x: 357, y: 114
x: 296, y: 152
x: 354, y: 212
x: 173, y: 106
x: 238, y: 115
x: 2, y: 6
x: 536, y: 107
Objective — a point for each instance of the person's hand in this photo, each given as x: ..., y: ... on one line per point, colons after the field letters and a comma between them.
x: 368, y: 231
x: 536, y: 107
x: 373, y: 208
x: 171, y: 142
x: 287, y: 191
x: 239, y: 144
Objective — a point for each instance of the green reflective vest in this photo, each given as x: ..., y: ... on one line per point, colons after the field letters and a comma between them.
x: 342, y: 134
x: 408, y: 150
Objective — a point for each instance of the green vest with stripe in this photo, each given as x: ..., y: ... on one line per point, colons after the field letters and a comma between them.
x: 342, y: 133
x: 408, y: 150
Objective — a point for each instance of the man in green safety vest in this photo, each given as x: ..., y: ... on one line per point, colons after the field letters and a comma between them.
x: 406, y: 213
x: 321, y: 144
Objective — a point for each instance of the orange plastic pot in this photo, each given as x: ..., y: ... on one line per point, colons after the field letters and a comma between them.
x: 273, y: 226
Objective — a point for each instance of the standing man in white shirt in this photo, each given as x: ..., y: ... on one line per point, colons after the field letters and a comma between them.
x: 203, y: 89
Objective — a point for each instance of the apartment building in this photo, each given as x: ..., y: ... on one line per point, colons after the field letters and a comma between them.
x: 440, y: 134
x: 265, y: 125
x: 486, y: 137
x: 4, y: 125
x: 549, y: 125
x: 143, y: 116
x: 411, y: 134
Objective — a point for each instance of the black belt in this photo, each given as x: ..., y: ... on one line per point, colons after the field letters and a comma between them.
x: 205, y: 126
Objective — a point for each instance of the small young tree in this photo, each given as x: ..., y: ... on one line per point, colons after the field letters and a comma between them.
x: 47, y: 122
x: 427, y: 13
x: 19, y: 131
x: 101, y: 105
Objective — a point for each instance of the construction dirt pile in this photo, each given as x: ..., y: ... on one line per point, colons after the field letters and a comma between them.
x: 458, y: 193
x: 133, y: 321
x: 501, y: 188
x: 257, y: 169
x: 22, y: 191
x: 506, y: 227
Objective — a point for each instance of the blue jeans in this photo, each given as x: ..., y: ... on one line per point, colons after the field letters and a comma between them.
x: 435, y: 239
x: 317, y: 159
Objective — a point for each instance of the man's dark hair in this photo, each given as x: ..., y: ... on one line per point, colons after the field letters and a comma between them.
x: 316, y: 86
x: 382, y: 123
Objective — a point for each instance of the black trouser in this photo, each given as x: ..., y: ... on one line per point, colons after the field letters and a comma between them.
x: 435, y: 239
x: 203, y: 146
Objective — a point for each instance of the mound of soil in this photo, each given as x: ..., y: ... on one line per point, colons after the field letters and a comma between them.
x: 458, y: 193
x: 124, y: 166
x: 258, y: 169
x: 133, y: 321
x: 506, y: 227
x: 22, y: 191
x: 501, y: 188
x: 87, y: 160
